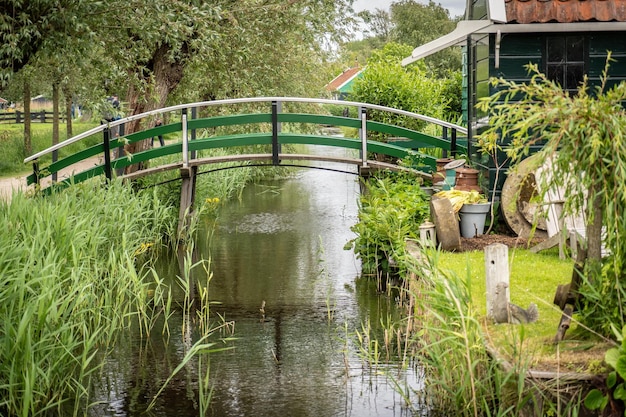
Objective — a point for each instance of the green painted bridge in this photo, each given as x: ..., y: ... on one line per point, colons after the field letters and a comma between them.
x: 268, y: 123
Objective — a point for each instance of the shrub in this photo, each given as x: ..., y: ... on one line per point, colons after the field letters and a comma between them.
x: 391, y: 211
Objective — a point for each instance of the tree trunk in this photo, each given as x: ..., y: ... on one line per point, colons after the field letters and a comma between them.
x: 594, y: 229
x: 28, y: 146
x: 67, y: 93
x: 55, y: 123
x: 55, y: 113
x: 165, y: 77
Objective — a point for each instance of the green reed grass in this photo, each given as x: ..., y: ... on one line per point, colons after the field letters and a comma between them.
x: 70, y: 285
x: 461, y: 377
x: 445, y: 337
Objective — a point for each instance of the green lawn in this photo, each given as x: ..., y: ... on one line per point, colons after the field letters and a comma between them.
x: 12, y: 143
x: 533, y: 278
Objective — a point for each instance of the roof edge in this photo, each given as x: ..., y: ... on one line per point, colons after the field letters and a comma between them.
x: 469, y: 27
x: 462, y: 30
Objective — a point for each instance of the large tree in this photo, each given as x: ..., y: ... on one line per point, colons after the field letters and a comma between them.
x: 26, y: 27
x: 416, y: 24
x: 143, y: 50
x: 230, y: 45
x: 408, y: 22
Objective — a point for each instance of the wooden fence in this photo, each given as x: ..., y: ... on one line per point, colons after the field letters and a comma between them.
x: 36, y: 117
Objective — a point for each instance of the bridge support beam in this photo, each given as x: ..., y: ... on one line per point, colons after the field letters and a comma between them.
x: 365, y: 172
x: 187, y: 198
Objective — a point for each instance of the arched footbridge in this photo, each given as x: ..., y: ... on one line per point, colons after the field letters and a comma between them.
x: 239, y: 123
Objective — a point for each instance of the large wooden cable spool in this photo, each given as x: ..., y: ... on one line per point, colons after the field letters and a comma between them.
x: 520, y: 209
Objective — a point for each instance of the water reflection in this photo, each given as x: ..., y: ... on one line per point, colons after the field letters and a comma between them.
x: 281, y: 274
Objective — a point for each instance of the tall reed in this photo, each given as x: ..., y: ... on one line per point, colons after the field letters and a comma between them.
x: 69, y: 286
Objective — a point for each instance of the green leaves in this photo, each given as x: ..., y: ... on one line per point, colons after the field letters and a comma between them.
x: 392, y: 210
x: 581, y: 136
x: 386, y: 82
x: 596, y: 400
x: 615, y: 381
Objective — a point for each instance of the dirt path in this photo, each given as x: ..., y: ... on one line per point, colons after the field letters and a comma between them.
x: 10, y: 185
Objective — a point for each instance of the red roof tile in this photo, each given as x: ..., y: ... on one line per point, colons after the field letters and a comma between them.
x: 342, y: 78
x: 565, y: 11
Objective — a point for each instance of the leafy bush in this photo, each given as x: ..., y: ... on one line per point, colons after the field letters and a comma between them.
x: 391, y: 211
x: 615, y: 390
x: 385, y: 82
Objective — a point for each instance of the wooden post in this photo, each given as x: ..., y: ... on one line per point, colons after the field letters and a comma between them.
x: 497, y: 270
x: 567, y: 296
x: 187, y: 196
x: 106, y: 145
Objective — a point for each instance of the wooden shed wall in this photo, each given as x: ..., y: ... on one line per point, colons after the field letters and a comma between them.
x: 517, y: 50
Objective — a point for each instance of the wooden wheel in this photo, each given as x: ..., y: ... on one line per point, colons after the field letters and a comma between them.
x: 519, y: 208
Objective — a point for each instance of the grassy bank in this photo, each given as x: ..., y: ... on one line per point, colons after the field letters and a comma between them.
x: 12, y: 143
x: 534, y: 278
x: 70, y: 285
x: 471, y: 366
x: 474, y: 367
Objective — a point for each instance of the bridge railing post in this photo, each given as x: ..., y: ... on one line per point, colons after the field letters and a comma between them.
x: 106, y: 144
x: 363, y: 136
x: 444, y: 136
x: 276, y: 108
x: 453, y: 143
x: 36, y: 172
x: 185, y: 139
x: 194, y: 115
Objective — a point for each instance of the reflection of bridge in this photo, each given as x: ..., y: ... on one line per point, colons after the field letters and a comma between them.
x: 272, y: 127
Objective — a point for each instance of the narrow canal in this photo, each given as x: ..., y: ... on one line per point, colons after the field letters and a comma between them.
x: 280, y: 273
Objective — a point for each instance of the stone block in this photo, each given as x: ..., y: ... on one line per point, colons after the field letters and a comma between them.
x: 446, y: 224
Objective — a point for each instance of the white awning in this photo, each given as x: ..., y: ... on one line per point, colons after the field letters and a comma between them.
x: 458, y: 35
x: 468, y: 27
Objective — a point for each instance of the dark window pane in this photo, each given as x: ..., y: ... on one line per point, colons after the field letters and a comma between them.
x: 556, y: 49
x: 555, y: 73
x: 575, y: 48
x: 575, y: 74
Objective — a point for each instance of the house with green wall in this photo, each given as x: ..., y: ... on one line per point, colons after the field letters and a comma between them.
x: 567, y: 39
x: 341, y: 85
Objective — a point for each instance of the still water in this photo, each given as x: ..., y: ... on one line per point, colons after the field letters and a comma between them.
x: 280, y: 273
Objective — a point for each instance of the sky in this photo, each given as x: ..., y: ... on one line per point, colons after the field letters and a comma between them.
x: 456, y: 7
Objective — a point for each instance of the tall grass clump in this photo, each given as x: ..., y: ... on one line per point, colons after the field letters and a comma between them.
x: 463, y: 375
x: 70, y: 284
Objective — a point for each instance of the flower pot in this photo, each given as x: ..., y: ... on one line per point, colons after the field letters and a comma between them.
x: 440, y: 175
x: 473, y: 218
x: 449, y: 181
x: 450, y: 171
x: 467, y: 179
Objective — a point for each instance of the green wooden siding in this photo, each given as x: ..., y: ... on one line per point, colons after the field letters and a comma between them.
x: 599, y: 44
x: 516, y: 51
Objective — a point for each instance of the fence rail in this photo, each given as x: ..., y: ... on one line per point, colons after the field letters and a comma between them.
x: 35, y: 116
